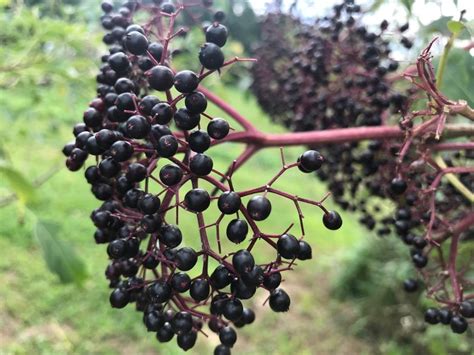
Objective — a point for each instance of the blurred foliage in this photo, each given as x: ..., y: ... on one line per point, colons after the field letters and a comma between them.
x: 372, y: 281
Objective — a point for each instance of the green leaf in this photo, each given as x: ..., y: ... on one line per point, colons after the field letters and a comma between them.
x: 23, y: 189
x: 470, y: 27
x: 60, y: 257
x: 455, y: 27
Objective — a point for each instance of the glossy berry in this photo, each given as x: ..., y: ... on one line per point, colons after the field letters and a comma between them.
x: 160, y: 78
x: 218, y: 128
x: 310, y: 160
x: 211, y: 56
x: 186, y: 258
x: 156, y: 50
x: 216, y: 34
x: 201, y: 164
x: 137, y: 127
x: 445, y: 316
x: 432, y: 316
x: 259, y: 208
x: 147, y: 103
x: 199, y: 289
x: 162, y: 113
x: 420, y: 260
x: 182, y: 322
x: 197, y: 200
x: 170, y: 235
x: 119, y: 62
x: 332, y: 220
x: 410, y: 285
x: 199, y: 141
x: 186, y: 81
x: 136, y: 42
x: 170, y: 174
x: 227, y: 336
x: 233, y: 309
x: 243, y: 261
x: 458, y: 324
x: 222, y: 350
x: 196, y: 102
x: 153, y: 321
x: 237, y: 230
x: 167, y: 146
x: 165, y: 333
x: 186, y: 120
x: 229, y: 202
x: 398, y: 186
x: 279, y: 300
x: 466, y: 309
x: 159, y: 291
x: 220, y: 277
x: 149, y: 204
x: 168, y: 8
x: 288, y: 246
x: 121, y: 151
x: 109, y: 167
x: 136, y: 172
x: 187, y: 340
x: 119, y: 298
x: 305, y: 252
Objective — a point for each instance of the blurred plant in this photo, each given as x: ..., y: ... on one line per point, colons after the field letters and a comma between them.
x: 335, y: 74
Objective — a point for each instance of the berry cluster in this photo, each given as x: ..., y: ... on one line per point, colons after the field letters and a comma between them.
x: 334, y: 73
x: 149, y: 134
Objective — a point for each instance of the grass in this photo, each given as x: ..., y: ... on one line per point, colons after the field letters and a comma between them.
x: 40, y: 315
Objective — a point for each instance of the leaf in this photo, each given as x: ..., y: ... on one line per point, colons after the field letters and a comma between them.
x: 60, y: 257
x: 23, y: 189
x: 455, y: 27
x: 470, y: 27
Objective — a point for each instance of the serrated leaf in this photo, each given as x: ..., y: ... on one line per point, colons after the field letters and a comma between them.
x: 60, y: 257
x: 23, y: 189
x: 455, y: 27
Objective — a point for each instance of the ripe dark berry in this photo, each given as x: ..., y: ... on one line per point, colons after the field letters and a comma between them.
x: 229, y: 202
x: 170, y: 235
x: 160, y: 78
x: 221, y: 350
x: 147, y: 103
x: 151, y: 262
x: 249, y: 316
x: 132, y: 197
x: 242, y: 290
x: 243, y: 261
x: 105, y: 138
x: 162, y: 113
x: 117, y: 248
x: 310, y: 160
x: 186, y: 258
x: 92, y: 174
x: 119, y: 62
x: 182, y: 322
x: 218, y: 128
x: 124, y: 102
x: 200, y: 289
x: 186, y: 120
x: 253, y: 277
x: 159, y: 291
x: 180, y: 282
x: 109, y: 167
x: 233, y: 309
x: 197, y: 200
x: 211, y: 56
x: 201, y: 164
x: 199, y: 141
x: 187, y: 340
x: 332, y: 220
x: 196, y: 102
x: 136, y: 42
x: 186, y: 81
x: 170, y: 174
x: 288, y: 246
x: 432, y: 316
x: 165, y: 333
x: 67, y: 149
x: 227, y: 336
x: 279, y: 300
x: 410, y: 285
x: 168, y: 8
x: 220, y: 277
x: 420, y: 260
x: 92, y: 118
x: 458, y: 324
x: 121, y: 151
x: 445, y: 316
x: 153, y: 320
x: 92, y: 147
x: 156, y: 50
x: 107, y: 6
x: 137, y: 127
x: 119, y: 298
x: 398, y: 186
x: 149, y: 204
x: 237, y: 230
x: 167, y: 146
x: 124, y: 85
x: 136, y: 172
x: 259, y: 208
x: 305, y: 252
x: 217, y: 34
x: 466, y: 309
x: 219, y: 16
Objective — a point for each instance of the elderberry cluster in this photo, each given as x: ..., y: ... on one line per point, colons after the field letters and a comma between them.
x: 334, y: 73
x: 149, y: 135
